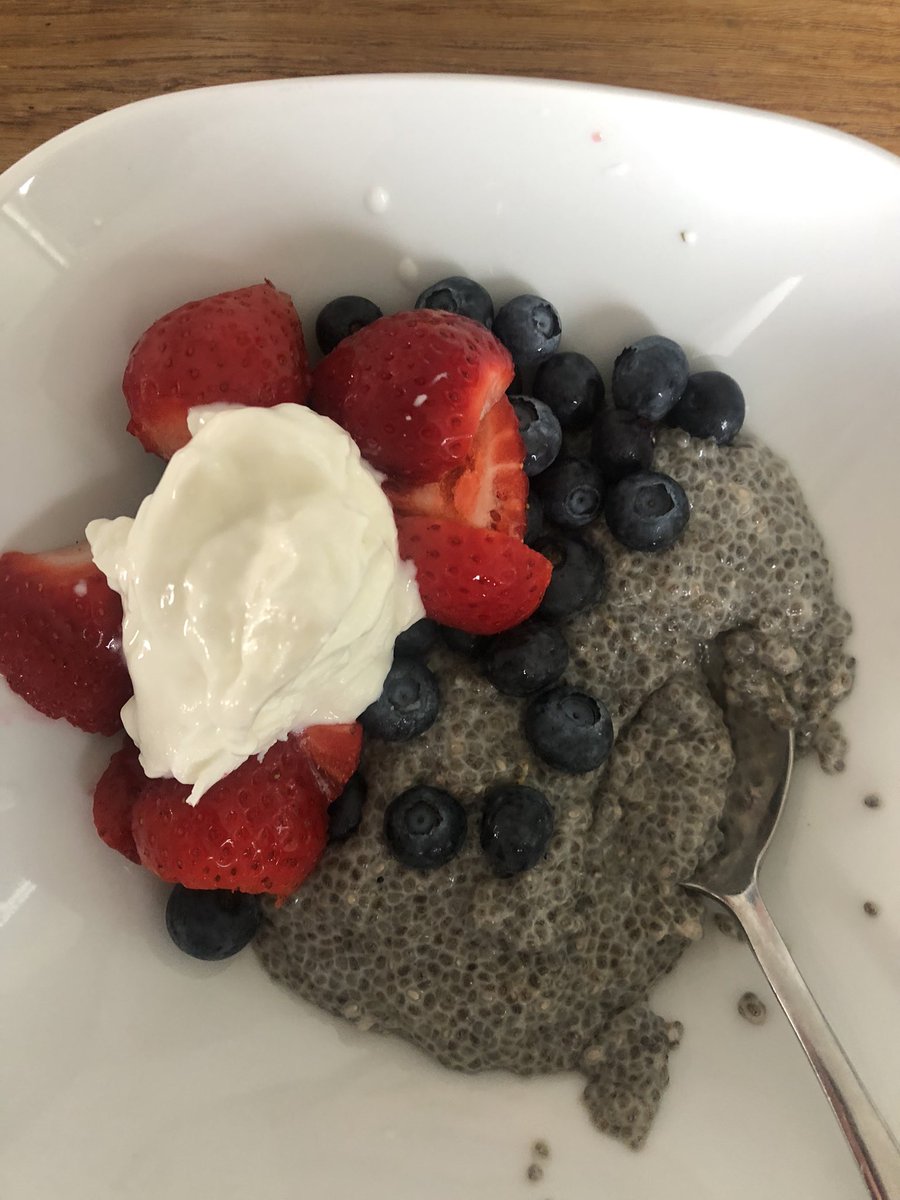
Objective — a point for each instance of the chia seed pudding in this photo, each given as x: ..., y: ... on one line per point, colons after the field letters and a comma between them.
x: 550, y: 970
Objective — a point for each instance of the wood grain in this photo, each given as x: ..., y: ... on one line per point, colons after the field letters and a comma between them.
x: 835, y: 61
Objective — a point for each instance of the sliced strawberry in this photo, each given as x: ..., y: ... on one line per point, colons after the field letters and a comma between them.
x: 260, y: 829
x: 492, y: 491
x: 114, y: 797
x: 411, y: 390
x: 241, y: 347
x: 333, y: 752
x: 61, y: 637
x: 489, y: 491
x: 473, y: 579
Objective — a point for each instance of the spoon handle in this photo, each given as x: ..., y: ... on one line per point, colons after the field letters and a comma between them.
x: 871, y: 1142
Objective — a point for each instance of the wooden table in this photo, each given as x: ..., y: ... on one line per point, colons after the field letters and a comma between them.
x: 835, y: 61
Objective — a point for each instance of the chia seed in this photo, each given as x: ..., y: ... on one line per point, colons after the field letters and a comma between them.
x: 550, y: 970
x: 752, y: 1008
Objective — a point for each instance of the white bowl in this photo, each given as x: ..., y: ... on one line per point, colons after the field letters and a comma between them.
x: 768, y: 247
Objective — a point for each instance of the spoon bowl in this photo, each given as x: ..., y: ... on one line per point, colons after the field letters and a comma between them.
x: 758, y: 788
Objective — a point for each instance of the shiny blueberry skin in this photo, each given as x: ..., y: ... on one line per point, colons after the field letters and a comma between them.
x: 425, y: 827
x: 571, y: 491
x: 540, y: 432
x: 569, y: 729
x: 647, y: 511
x: 408, y: 704
x: 529, y: 327
x: 211, y: 925
x: 712, y: 407
x: 649, y: 377
x: 572, y: 386
x: 579, y: 575
x: 416, y: 641
x: 457, y: 294
x: 621, y: 444
x: 534, y: 519
x: 341, y: 317
x: 345, y: 813
x: 516, y: 828
x: 525, y: 659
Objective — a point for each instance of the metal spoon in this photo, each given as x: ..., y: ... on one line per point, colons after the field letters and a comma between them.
x: 764, y: 758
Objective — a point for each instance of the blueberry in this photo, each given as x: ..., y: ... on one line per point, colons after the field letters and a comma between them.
x: 456, y: 294
x: 712, y: 407
x: 211, y: 924
x: 579, y: 574
x: 621, y: 443
x: 529, y: 327
x: 469, y: 644
x: 647, y: 511
x: 569, y: 730
x: 534, y: 519
x: 341, y: 317
x: 525, y: 659
x: 345, y: 813
x: 649, y: 377
x: 571, y: 491
x: 517, y: 387
x: 416, y: 641
x: 425, y: 827
x: 516, y: 828
x: 540, y: 432
x: 408, y: 704
x: 571, y: 385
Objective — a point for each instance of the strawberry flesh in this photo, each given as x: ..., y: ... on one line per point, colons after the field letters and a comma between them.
x: 240, y: 347
x: 60, y: 637
x: 412, y: 388
x: 473, y: 579
x: 332, y: 753
x: 489, y: 491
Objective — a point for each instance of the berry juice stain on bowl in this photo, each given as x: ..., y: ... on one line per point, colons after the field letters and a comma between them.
x: 484, y: 859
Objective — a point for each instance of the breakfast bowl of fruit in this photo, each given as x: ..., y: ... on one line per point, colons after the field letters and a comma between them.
x: 376, y: 559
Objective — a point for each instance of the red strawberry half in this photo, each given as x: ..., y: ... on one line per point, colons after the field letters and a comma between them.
x: 114, y: 797
x: 260, y: 829
x: 489, y: 491
x: 241, y: 347
x: 411, y: 389
x: 473, y: 579
x: 60, y: 637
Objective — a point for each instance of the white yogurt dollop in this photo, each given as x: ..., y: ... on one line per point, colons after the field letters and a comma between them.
x: 261, y: 587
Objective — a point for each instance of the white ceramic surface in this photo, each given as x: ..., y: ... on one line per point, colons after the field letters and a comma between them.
x: 770, y: 248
